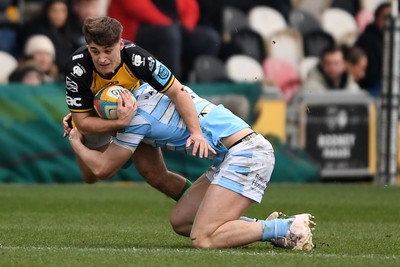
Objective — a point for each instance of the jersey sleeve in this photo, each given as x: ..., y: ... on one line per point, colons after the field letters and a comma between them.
x: 78, y: 78
x: 132, y: 135
x: 147, y: 68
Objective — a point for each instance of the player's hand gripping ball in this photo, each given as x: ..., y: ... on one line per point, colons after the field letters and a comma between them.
x: 106, y: 101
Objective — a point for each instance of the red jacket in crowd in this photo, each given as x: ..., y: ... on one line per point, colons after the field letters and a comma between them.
x: 132, y: 13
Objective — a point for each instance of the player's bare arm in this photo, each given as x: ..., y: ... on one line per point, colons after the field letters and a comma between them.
x: 89, y: 124
x: 86, y: 173
x: 102, y: 164
x: 185, y: 106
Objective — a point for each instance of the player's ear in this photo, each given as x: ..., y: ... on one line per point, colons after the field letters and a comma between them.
x: 121, y: 44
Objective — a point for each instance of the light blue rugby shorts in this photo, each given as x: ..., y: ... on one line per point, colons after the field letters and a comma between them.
x: 246, y: 169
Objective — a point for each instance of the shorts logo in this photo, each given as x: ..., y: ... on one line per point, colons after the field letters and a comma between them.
x: 77, y: 56
x: 71, y: 85
x: 137, y: 60
x: 76, y: 70
x: 259, y: 183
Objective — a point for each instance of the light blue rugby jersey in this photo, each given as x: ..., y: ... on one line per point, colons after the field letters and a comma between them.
x: 157, y: 122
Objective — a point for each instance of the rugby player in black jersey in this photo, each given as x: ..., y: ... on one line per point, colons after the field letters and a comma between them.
x: 109, y: 60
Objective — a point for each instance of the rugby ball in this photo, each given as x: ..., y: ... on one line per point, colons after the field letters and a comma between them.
x: 106, y: 101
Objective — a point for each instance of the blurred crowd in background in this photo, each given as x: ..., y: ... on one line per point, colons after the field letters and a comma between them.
x: 293, y: 45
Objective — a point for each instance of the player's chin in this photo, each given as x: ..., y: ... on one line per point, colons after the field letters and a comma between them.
x: 105, y: 69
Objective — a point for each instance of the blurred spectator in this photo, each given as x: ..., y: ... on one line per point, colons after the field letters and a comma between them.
x: 8, y: 64
x: 40, y: 52
x: 211, y: 12
x: 356, y: 62
x: 82, y: 9
x: 9, y: 18
x: 168, y: 29
x: 371, y: 41
x: 29, y: 75
x: 330, y: 73
x: 53, y: 23
x: 351, y: 6
x: 282, y: 6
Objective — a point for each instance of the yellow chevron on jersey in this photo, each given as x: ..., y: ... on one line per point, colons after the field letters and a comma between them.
x: 123, y: 77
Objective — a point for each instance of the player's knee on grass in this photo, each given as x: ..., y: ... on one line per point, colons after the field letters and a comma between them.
x: 180, y: 224
x: 201, y: 241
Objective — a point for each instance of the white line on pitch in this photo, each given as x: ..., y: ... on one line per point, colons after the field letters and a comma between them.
x: 192, y: 250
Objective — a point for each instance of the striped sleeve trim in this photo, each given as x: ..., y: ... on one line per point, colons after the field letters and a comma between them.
x: 166, y: 88
x: 80, y: 110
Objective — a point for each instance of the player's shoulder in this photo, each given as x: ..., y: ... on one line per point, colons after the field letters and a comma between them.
x: 130, y: 46
x: 81, y: 57
x: 79, y: 67
x: 135, y: 53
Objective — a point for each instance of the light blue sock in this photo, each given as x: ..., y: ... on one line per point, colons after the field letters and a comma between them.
x: 247, y: 219
x: 275, y: 228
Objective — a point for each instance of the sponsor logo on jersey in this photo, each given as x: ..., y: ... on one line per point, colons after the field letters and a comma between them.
x: 137, y: 60
x: 75, y: 102
x: 151, y: 61
x: 77, y: 70
x: 77, y: 56
x: 161, y: 73
x: 206, y: 110
x: 130, y: 45
x: 71, y: 85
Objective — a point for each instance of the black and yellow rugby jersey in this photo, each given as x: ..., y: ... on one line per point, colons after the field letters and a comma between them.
x: 83, y: 81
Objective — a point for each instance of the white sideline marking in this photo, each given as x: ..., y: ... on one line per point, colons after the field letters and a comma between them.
x: 192, y: 250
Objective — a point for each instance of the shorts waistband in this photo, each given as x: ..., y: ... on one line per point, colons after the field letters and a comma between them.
x: 245, y: 138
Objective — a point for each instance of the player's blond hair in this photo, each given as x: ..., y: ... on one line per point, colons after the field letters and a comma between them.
x: 103, y: 31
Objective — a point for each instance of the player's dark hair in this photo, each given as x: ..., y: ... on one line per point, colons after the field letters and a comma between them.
x: 103, y: 31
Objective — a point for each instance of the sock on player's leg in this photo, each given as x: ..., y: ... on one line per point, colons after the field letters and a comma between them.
x: 186, y: 187
x: 275, y: 228
x: 247, y: 219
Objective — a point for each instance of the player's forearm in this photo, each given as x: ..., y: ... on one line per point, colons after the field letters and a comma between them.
x: 87, y: 175
x: 96, y: 125
x: 187, y: 110
x: 90, y: 161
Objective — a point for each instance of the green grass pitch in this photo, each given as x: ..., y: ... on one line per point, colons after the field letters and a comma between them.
x: 110, y: 224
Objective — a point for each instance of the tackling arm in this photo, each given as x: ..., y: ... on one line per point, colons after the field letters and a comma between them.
x: 187, y: 110
x: 103, y: 165
x: 88, y: 124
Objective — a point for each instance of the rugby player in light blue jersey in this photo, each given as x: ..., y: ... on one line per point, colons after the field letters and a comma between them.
x: 211, y: 210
